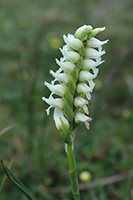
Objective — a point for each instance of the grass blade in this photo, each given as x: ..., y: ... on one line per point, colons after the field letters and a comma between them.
x: 17, y: 182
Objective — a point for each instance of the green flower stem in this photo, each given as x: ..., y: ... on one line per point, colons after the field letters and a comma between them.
x: 73, y: 172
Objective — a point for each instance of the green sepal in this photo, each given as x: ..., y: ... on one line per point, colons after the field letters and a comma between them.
x: 68, y: 110
x: 65, y: 134
x: 17, y: 182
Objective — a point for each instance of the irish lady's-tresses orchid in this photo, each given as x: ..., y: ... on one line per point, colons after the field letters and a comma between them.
x: 74, y: 80
x: 72, y: 87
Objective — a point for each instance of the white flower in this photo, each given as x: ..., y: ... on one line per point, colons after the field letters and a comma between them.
x: 59, y: 76
x: 85, y: 75
x: 56, y: 89
x: 89, y: 63
x: 71, y: 56
x: 85, y: 29
x: 66, y: 66
x: 79, y: 117
x: 53, y: 103
x: 84, y: 88
x: 94, y: 42
x: 81, y: 102
x: 93, y: 53
x: 58, y: 116
x: 73, y: 42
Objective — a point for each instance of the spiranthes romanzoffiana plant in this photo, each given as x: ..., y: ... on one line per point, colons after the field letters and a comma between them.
x: 73, y: 84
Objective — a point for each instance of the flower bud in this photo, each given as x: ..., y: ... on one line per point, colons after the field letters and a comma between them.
x: 83, y: 31
x: 96, y: 31
x: 73, y: 42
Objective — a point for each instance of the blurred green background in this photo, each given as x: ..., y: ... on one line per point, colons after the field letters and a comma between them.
x: 30, y: 35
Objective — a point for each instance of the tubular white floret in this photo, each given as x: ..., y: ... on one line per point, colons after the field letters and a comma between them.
x: 71, y: 56
x: 72, y: 42
x: 89, y: 63
x: 60, y: 76
x: 94, y: 42
x: 86, y: 76
x: 81, y: 102
x: 93, y: 53
x: 55, y: 89
x: 58, y: 116
x: 66, y: 66
x: 79, y: 117
x: 53, y: 103
x: 84, y: 88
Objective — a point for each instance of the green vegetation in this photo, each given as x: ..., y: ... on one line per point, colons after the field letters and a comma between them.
x: 30, y: 35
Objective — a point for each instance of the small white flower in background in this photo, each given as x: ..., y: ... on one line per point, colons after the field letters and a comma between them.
x: 74, y: 80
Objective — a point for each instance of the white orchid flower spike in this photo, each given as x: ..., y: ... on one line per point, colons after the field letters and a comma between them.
x: 73, y: 82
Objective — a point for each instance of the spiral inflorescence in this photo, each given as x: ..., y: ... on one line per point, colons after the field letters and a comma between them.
x: 73, y: 81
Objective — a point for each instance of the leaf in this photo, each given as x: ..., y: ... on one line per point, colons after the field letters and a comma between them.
x: 17, y: 182
x: 5, y: 177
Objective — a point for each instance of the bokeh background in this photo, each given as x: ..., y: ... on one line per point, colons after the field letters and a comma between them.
x: 30, y: 35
